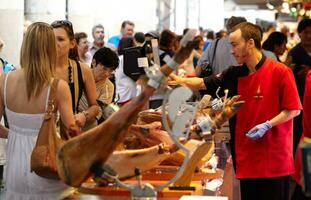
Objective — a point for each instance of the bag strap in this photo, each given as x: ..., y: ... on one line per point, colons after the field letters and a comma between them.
x: 4, y: 89
x: 213, y: 58
x: 51, y: 108
x: 78, y: 85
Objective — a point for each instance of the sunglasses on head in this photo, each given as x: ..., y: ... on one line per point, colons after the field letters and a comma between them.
x: 59, y: 23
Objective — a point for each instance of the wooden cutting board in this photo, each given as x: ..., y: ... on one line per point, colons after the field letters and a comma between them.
x: 168, y: 172
x: 90, y: 187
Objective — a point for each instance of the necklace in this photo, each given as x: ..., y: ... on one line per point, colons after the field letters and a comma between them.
x: 69, y: 73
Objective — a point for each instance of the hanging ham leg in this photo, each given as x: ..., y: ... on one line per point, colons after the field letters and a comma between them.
x: 78, y: 154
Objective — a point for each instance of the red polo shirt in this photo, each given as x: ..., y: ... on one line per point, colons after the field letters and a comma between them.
x: 306, y: 126
x: 266, y: 92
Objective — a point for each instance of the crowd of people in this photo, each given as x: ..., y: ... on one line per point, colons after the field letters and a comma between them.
x: 264, y: 134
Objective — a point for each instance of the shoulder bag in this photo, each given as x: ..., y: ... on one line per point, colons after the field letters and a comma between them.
x: 43, y: 157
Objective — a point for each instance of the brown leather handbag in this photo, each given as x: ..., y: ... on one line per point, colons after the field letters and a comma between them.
x: 43, y: 157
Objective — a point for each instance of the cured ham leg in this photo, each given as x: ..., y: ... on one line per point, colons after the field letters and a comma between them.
x: 78, y: 154
x: 148, y: 116
x: 151, y: 134
x: 125, y: 162
x: 177, y: 157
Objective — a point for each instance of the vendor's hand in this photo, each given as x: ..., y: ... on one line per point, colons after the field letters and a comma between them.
x: 259, y: 131
x: 174, y: 79
x: 80, y: 119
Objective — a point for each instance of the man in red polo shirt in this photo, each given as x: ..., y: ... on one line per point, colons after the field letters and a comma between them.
x: 261, y: 132
x: 298, y: 193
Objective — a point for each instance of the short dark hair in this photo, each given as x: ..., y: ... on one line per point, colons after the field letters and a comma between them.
x: 221, y: 34
x: 79, y: 36
x: 153, y: 34
x: 124, y: 43
x: 106, y: 57
x: 124, y: 23
x: 275, y: 38
x: 233, y: 21
x: 303, y: 24
x: 167, y: 38
x: 197, y: 39
x: 139, y: 37
x: 250, y: 31
x: 97, y: 26
x: 210, y: 34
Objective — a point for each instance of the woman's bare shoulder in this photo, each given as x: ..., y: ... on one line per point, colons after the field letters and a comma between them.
x: 13, y: 75
x: 62, y: 85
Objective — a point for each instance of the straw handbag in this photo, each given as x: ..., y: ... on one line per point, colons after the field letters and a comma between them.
x: 43, y: 157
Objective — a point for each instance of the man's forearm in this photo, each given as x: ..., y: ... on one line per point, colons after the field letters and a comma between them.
x: 193, y: 83
x: 284, y: 116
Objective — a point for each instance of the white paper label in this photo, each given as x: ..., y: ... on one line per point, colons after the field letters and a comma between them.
x: 142, y: 62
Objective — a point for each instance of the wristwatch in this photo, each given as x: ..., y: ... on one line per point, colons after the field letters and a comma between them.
x: 86, y: 114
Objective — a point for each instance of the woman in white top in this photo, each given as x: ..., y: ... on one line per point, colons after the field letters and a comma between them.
x: 24, y: 95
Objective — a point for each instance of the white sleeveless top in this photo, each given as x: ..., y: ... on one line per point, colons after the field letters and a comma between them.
x: 20, y: 183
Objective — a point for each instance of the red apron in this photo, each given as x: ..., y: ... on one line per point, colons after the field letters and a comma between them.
x: 267, y: 92
x: 306, y: 126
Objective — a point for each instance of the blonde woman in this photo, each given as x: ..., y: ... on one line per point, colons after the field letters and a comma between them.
x: 24, y: 95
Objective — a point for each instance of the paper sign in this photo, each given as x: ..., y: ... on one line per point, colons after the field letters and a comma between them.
x: 142, y: 62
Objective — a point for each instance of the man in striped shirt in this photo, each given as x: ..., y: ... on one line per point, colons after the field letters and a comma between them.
x: 104, y: 62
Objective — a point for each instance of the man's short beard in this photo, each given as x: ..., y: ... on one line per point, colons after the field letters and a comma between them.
x: 99, y: 40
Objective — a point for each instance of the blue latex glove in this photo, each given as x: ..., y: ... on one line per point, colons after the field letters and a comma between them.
x: 258, y: 131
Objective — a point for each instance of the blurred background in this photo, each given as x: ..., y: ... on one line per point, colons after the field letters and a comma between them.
x: 147, y: 15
